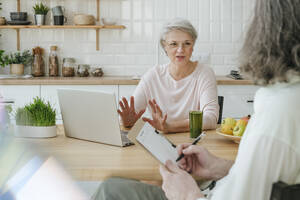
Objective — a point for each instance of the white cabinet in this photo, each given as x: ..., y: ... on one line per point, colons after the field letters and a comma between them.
x: 20, y: 94
x: 238, y: 99
x: 49, y: 93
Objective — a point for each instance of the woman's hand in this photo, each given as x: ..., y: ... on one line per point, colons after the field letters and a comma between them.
x: 158, y: 120
x: 128, y: 114
x: 200, y: 162
x: 178, y: 184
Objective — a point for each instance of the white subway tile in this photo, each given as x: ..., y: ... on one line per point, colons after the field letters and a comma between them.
x: 124, y: 59
x: 170, y: 11
x: 144, y: 60
x: 68, y: 35
x: 101, y: 59
x: 137, y: 9
x: 226, y: 10
x: 182, y: 8
x: 226, y: 33
x: 193, y: 11
x: 223, y: 49
x: 215, y: 10
x: 160, y: 9
x: 125, y: 10
x: 231, y: 60
x: 204, y: 11
x: 139, y: 48
x: 204, y: 32
x: 148, y: 31
x: 203, y: 47
x: 111, y: 70
x: 217, y: 60
x: 215, y: 33
x: 237, y: 10
x: 113, y: 48
x: 136, y: 70
x: 237, y: 31
x: 148, y: 9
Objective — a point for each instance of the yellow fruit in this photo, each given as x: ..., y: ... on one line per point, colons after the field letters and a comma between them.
x: 242, y: 122
x: 227, y: 129
x: 229, y: 121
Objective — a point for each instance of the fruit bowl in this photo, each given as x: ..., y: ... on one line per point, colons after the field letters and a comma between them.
x: 236, y: 139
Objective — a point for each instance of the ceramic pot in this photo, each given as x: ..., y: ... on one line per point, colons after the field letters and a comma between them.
x: 17, y: 69
x: 35, y: 131
x: 40, y: 20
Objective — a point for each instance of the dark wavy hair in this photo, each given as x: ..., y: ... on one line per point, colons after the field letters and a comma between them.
x: 271, y: 50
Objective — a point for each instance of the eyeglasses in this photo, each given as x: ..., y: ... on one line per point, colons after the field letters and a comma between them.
x: 176, y: 45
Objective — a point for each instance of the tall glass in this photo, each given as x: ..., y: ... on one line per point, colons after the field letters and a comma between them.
x: 195, y: 118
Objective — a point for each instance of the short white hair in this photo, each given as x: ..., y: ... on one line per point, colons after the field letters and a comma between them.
x: 178, y: 24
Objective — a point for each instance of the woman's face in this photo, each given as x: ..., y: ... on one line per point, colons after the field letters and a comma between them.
x: 179, y: 47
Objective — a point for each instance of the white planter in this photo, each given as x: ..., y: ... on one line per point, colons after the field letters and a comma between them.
x: 35, y: 131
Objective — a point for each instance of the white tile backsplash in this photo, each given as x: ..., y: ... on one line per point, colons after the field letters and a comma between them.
x: 220, y: 24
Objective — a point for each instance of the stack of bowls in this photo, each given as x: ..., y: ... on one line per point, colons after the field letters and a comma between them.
x: 18, y: 18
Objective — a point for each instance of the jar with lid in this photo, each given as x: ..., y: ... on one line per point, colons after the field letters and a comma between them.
x: 53, y: 61
x: 38, y: 66
x: 68, y: 68
x: 83, y: 70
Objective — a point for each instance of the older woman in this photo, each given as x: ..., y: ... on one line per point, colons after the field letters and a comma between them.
x: 270, y: 149
x: 172, y: 90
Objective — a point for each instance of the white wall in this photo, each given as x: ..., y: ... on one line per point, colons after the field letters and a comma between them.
x: 220, y: 24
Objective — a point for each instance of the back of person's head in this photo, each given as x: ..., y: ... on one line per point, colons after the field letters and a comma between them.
x: 178, y: 24
x: 271, y: 51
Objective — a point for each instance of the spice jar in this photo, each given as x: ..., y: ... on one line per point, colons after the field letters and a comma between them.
x: 68, y: 68
x: 83, y: 70
x: 97, y: 72
x: 38, y: 66
x: 53, y: 61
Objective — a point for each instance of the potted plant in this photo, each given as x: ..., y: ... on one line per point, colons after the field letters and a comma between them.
x: 37, y: 120
x: 17, y: 61
x: 40, y: 11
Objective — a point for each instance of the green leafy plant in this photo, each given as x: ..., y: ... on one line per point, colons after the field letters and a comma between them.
x: 40, y: 9
x: 24, y: 57
x: 38, y: 113
x: 3, y: 59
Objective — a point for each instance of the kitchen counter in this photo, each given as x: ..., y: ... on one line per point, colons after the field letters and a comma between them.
x: 107, y: 80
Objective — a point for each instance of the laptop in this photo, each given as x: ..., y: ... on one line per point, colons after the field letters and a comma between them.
x: 92, y: 116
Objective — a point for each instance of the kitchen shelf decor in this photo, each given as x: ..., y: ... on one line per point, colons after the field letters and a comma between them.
x: 97, y: 28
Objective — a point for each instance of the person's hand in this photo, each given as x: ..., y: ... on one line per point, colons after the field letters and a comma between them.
x: 200, y: 162
x: 127, y: 113
x: 178, y: 184
x: 158, y: 120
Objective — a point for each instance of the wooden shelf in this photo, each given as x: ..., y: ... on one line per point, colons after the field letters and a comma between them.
x: 62, y: 27
x: 95, y: 27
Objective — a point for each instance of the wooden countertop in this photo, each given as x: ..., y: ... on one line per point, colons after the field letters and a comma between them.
x: 108, y: 80
x: 90, y: 161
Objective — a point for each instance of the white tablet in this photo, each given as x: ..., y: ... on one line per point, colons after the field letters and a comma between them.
x: 158, y: 145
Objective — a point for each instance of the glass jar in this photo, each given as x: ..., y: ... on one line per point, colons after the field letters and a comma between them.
x: 53, y: 61
x: 68, y: 68
x: 38, y: 66
x: 83, y: 70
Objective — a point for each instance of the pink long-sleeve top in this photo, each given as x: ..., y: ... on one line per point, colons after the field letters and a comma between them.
x: 177, y: 98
